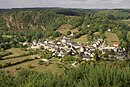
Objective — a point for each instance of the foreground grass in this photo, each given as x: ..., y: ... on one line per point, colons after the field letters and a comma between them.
x: 86, y: 75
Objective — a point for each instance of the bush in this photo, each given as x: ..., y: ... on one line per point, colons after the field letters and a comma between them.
x: 6, y: 64
x: 69, y: 32
x: 25, y: 60
x: 56, y: 34
x: 60, y: 65
x: 18, y: 68
x: 40, y: 62
x: 46, y: 63
x: 30, y: 66
x: 0, y: 57
x: 70, y: 58
x: 0, y: 65
x: 46, y: 54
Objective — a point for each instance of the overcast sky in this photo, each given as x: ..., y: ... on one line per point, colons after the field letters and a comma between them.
x: 87, y: 4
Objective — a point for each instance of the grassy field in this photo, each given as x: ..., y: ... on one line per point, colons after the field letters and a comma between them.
x: 52, y: 67
x: 13, y: 70
x: 83, y: 39
x: 15, y: 52
x: 13, y: 60
x: 65, y: 28
x: 111, y: 37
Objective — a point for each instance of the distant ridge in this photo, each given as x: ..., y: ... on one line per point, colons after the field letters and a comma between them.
x: 66, y: 8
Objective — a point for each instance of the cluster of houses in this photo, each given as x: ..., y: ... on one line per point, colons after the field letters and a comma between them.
x: 60, y: 47
x: 66, y: 46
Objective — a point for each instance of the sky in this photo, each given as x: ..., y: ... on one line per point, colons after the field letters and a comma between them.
x: 86, y: 4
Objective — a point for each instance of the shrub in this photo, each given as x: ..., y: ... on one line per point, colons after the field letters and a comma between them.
x: 18, y: 68
x: 0, y: 65
x: 68, y: 32
x: 7, y: 64
x: 46, y: 64
x: 40, y: 62
x: 0, y: 57
x: 30, y: 66
x: 60, y: 65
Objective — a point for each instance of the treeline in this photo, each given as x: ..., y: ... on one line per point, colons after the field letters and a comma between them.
x: 4, y: 53
x: 15, y: 63
x: 86, y: 75
x: 10, y: 41
x: 115, y: 14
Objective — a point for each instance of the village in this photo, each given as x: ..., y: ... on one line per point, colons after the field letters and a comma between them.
x: 65, y: 43
x: 66, y: 46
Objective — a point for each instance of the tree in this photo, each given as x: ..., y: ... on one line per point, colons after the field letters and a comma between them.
x: 46, y: 54
x: 106, y: 55
x: 90, y: 38
x: 40, y: 62
x: 90, y: 33
x: 128, y: 37
x: 68, y: 32
x: 110, y: 17
x: 112, y: 52
x: 103, y: 36
x: 123, y: 43
x: 101, y: 31
x: 96, y: 56
x: 0, y: 57
x: 56, y: 34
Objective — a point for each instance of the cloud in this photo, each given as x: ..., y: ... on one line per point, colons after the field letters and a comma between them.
x: 65, y: 3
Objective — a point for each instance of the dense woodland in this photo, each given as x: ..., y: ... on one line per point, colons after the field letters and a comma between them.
x: 29, y: 24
